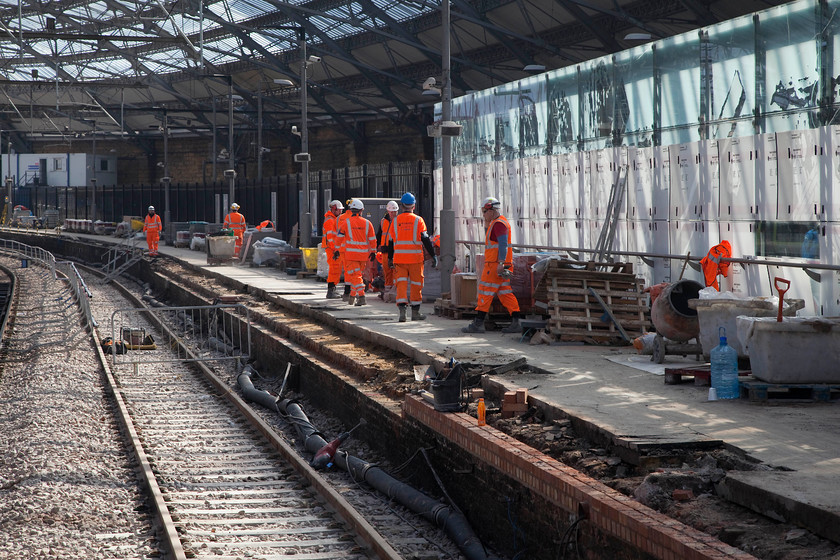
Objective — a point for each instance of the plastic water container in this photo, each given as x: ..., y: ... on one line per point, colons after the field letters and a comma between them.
x: 725, y: 369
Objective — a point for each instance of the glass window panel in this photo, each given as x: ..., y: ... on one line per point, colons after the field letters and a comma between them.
x: 678, y: 62
x: 484, y: 128
x: 788, y: 34
x: 532, y: 115
x: 463, y: 146
x: 731, y: 53
x: 634, y: 95
x: 506, y: 99
x: 598, y: 97
x: 833, y: 28
x: 563, y: 108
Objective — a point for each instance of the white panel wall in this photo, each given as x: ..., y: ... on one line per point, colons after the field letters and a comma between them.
x: 601, y: 183
x: 832, y: 186
x: 585, y: 164
x: 538, y: 200
x: 640, y: 184
x: 661, y: 182
x: 685, y: 182
x: 746, y: 280
x: 571, y: 185
x: 737, y: 179
x: 709, y: 179
x: 799, y: 175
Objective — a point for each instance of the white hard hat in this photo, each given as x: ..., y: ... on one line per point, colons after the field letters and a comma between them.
x: 337, y: 204
x: 151, y: 208
x: 234, y: 206
x: 490, y: 203
x: 392, y: 206
x: 357, y: 204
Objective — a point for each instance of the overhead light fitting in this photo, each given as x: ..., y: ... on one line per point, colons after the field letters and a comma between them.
x: 534, y: 68
x: 638, y: 37
x: 284, y: 82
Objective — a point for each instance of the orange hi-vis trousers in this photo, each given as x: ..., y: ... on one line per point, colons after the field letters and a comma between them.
x: 409, y: 275
x: 491, y: 284
x: 353, y: 276
x: 334, y: 275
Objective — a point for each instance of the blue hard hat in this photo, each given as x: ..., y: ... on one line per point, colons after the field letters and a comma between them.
x: 408, y: 199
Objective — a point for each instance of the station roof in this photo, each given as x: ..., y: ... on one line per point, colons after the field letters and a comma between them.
x: 125, y: 68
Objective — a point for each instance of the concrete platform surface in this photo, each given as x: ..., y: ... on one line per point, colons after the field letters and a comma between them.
x: 634, y: 406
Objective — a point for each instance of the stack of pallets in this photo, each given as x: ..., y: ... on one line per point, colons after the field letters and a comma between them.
x: 601, y: 306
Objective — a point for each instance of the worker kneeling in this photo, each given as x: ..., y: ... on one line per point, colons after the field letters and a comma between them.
x: 498, y: 264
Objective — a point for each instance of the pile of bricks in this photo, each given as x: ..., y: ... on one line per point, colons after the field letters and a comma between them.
x: 514, y: 403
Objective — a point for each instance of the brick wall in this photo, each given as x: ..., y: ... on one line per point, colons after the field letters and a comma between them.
x: 610, y: 513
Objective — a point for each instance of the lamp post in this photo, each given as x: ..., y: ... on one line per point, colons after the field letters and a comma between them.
x: 166, y: 179
x: 447, y: 214
x: 231, y: 156
x: 303, y: 156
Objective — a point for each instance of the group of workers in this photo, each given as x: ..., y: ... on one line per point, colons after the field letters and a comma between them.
x: 351, y: 242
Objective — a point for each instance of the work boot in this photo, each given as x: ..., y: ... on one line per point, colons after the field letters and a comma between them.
x: 346, y: 295
x: 360, y: 300
x: 351, y: 300
x: 514, y: 326
x: 331, y: 291
x: 415, y: 313
x: 477, y: 326
x: 402, y: 313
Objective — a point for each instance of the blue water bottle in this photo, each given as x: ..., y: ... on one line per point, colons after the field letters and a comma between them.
x: 725, y: 369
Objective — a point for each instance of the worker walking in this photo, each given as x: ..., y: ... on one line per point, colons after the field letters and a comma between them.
x: 498, y: 264
x: 339, y: 226
x: 152, y: 226
x: 406, y: 239
x: 236, y: 221
x: 358, y: 239
x: 392, y: 209
x: 330, y: 244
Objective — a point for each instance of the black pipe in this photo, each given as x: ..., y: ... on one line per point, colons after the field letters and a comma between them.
x: 447, y: 517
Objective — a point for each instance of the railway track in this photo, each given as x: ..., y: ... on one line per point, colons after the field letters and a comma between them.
x: 223, y: 489
x: 226, y: 480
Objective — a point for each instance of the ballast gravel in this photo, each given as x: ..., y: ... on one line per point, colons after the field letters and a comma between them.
x: 67, y: 486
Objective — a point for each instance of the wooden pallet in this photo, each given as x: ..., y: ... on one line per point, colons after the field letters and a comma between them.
x: 572, y: 297
x: 702, y: 375
x: 760, y: 391
x: 444, y: 308
x: 301, y: 274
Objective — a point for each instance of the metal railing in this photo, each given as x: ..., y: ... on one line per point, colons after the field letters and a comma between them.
x: 188, y: 334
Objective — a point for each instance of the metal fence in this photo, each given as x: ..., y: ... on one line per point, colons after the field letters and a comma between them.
x: 181, y: 334
x: 258, y: 198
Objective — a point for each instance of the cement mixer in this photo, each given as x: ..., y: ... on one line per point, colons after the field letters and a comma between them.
x: 676, y: 323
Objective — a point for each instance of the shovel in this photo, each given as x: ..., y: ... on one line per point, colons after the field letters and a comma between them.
x: 777, y: 282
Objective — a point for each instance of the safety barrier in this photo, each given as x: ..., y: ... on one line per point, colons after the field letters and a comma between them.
x: 210, y: 332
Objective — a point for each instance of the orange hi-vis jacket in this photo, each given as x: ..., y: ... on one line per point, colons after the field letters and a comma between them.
x: 236, y: 222
x: 405, y: 232
x: 329, y: 240
x: 152, y: 224
x: 359, y: 240
x: 712, y: 264
x: 339, y: 226
x: 491, y: 248
x: 384, y: 227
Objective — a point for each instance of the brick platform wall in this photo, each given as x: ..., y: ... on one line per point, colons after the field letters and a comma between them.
x: 611, y: 513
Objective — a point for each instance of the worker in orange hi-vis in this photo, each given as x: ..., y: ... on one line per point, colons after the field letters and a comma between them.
x: 339, y: 224
x: 236, y: 221
x: 406, y: 239
x: 266, y: 225
x: 498, y: 264
x: 330, y: 244
x: 392, y: 209
x: 358, y: 239
x: 712, y: 264
x: 152, y: 226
